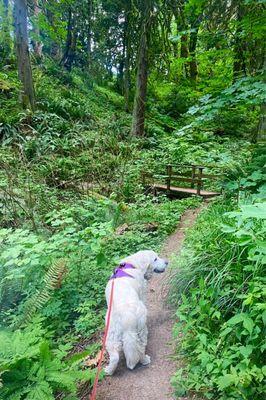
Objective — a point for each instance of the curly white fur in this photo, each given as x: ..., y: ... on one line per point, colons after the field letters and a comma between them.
x: 128, y: 330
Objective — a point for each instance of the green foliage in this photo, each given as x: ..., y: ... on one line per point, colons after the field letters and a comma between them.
x: 31, y: 370
x: 61, y: 237
x: 248, y: 91
x: 6, y: 43
x: 51, y: 280
x: 84, y: 235
x: 221, y: 295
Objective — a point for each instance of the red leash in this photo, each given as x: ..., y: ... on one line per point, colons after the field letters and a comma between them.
x: 94, y: 389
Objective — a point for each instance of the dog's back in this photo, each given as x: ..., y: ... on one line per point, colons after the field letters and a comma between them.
x: 128, y: 322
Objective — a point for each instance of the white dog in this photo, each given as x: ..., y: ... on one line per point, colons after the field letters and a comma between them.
x: 128, y: 329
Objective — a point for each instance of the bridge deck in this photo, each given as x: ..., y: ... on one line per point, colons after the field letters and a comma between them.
x: 186, y: 191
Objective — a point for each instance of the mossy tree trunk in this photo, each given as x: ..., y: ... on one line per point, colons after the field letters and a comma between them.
x: 23, y: 55
x: 138, y: 121
x: 71, y: 42
x: 193, y: 65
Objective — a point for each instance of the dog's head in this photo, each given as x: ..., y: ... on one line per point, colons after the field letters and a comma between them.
x: 157, y: 264
x: 151, y: 262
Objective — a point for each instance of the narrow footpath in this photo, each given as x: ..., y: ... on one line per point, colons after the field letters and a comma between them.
x: 153, y: 382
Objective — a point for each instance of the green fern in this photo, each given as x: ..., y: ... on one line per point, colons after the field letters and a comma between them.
x: 19, y: 344
x: 41, y: 391
x: 30, y: 370
x: 52, y: 280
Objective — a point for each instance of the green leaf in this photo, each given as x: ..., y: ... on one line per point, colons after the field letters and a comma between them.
x: 236, y: 319
x: 225, y: 381
x: 264, y: 317
x: 203, y: 338
x: 246, y: 350
x: 248, y: 323
x: 41, y: 391
x: 225, y: 331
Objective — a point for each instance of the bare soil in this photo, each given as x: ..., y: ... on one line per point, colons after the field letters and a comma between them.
x: 152, y: 382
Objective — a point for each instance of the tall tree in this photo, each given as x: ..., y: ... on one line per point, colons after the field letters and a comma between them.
x: 178, y: 8
x: 138, y: 120
x: 195, y: 24
x: 195, y: 12
x: 240, y: 44
x: 71, y: 41
x: 127, y: 42
x: 89, y: 31
x: 23, y: 56
x: 37, y: 43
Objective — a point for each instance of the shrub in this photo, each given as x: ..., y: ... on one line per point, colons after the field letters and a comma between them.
x: 221, y: 295
x: 30, y: 369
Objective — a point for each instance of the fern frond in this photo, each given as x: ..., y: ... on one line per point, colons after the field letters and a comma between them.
x: 18, y: 345
x: 41, y: 391
x: 51, y: 281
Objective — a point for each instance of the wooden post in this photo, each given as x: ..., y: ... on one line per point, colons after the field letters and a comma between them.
x: 199, y: 184
x: 169, y: 169
x: 193, y: 176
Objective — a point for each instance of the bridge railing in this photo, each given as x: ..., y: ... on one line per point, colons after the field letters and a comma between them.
x: 188, y: 173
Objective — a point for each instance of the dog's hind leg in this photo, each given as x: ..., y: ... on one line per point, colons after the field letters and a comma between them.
x: 113, y: 360
x: 131, y: 348
x: 144, y: 358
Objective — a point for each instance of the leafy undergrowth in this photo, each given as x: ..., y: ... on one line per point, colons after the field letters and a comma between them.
x: 59, y: 275
x: 80, y: 135
x: 221, y: 292
x: 72, y: 206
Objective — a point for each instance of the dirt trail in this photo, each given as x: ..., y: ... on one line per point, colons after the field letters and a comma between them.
x: 152, y: 382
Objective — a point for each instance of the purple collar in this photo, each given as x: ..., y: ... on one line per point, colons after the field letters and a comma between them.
x: 120, y: 273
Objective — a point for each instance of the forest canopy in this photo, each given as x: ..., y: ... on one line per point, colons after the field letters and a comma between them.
x: 198, y: 46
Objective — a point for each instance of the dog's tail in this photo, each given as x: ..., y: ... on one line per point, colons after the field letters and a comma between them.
x: 131, y: 348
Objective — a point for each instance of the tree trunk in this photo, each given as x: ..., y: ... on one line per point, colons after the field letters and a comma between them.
x: 141, y: 88
x: 127, y: 61
x: 121, y: 66
x: 138, y: 120
x: 72, y: 51
x: 89, y: 32
x: 37, y: 44
x: 239, y: 66
x: 260, y: 135
x: 193, y: 66
x: 23, y: 56
x: 181, y: 26
x: 184, y: 53
x: 71, y: 42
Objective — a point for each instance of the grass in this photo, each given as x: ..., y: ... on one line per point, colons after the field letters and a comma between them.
x: 219, y: 293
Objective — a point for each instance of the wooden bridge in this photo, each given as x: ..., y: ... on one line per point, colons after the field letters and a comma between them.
x: 169, y: 182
